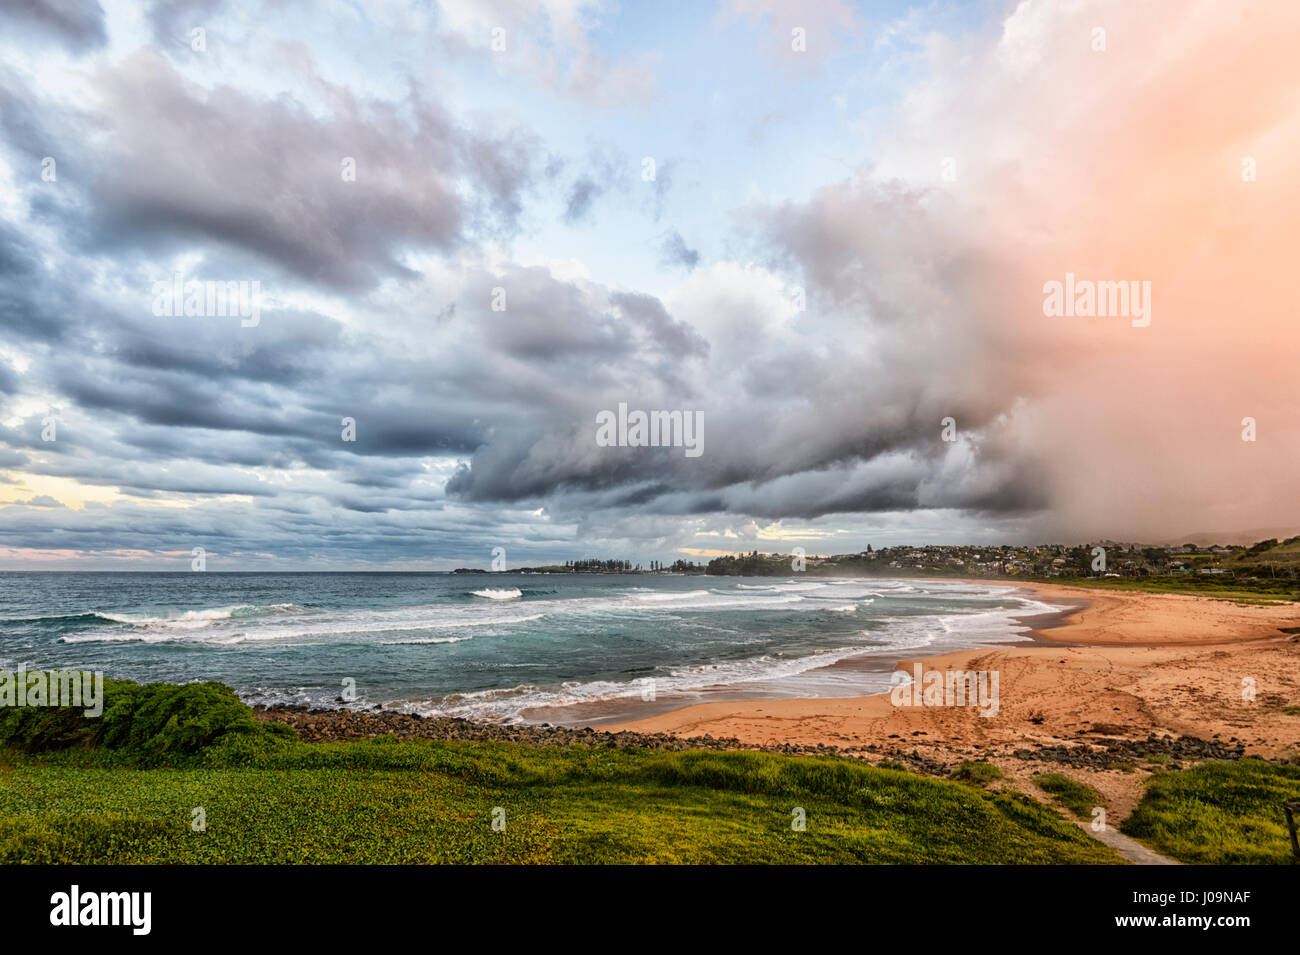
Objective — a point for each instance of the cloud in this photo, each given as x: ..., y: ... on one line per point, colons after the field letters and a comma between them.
x: 1124, y: 163
x: 605, y: 170
x: 43, y: 500
x: 824, y: 24
x: 171, y: 163
x: 790, y: 410
x: 551, y: 43
x: 675, y: 252
x: 921, y: 307
x: 76, y: 24
x: 824, y: 349
x: 173, y: 20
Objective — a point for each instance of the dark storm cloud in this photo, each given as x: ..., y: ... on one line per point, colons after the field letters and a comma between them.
x: 76, y: 24
x: 235, y: 535
x: 176, y: 165
x: 18, y: 258
x: 8, y: 380
x: 586, y: 479
x: 677, y: 338
x: 399, y: 424
x: 553, y: 326
x: 417, y: 432
x: 33, y: 304
x: 43, y: 500
x: 24, y: 132
x: 810, y: 422
x: 470, y: 420
x: 170, y: 399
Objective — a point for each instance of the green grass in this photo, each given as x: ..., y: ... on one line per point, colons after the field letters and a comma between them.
x: 979, y: 772
x: 1262, y: 592
x: 1219, y: 812
x: 1284, y: 554
x: 1079, y: 798
x: 388, y: 801
x: 123, y: 789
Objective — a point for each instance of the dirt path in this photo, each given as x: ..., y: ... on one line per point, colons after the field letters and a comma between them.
x: 1130, y: 849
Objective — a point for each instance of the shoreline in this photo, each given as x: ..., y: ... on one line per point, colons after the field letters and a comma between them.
x: 617, y: 713
x: 1122, y: 669
x: 1103, y: 691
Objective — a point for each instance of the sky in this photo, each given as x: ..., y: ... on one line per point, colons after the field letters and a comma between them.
x: 827, y: 231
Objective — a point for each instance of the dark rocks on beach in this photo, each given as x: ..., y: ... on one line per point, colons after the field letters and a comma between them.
x: 1090, y: 752
x: 328, y: 725
x: 1112, y: 753
x: 334, y: 725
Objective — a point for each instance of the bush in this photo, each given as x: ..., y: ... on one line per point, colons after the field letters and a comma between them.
x: 148, y: 724
x: 1079, y: 798
x: 979, y: 772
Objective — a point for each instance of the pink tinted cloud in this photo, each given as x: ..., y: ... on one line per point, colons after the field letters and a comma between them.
x: 1126, y: 164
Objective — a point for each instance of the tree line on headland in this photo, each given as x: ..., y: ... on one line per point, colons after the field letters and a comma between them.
x: 1272, y: 565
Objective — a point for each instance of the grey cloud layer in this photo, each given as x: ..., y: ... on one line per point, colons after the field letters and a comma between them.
x: 180, y: 164
x: 77, y: 24
x: 467, y: 418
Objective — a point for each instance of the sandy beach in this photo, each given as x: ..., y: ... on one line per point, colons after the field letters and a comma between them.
x: 1125, y: 666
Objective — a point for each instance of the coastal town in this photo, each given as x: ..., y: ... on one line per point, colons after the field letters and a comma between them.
x: 1270, y: 558
x: 1265, y: 563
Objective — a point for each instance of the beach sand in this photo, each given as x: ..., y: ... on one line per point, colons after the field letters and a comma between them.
x: 1123, y: 667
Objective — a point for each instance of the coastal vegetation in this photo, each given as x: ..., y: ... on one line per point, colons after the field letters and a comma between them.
x: 1223, y: 813
x: 170, y: 757
x: 189, y: 774
x: 977, y: 772
x: 1079, y: 798
x: 1265, y: 572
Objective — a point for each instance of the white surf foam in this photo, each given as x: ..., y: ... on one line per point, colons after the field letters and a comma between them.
x: 498, y: 593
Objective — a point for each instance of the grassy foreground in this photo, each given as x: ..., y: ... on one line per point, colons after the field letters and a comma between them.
x: 124, y: 788
x: 433, y: 802
x: 1079, y: 798
x: 1219, y: 812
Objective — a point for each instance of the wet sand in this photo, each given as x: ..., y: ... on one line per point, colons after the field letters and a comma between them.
x: 1113, y: 665
x: 846, y: 678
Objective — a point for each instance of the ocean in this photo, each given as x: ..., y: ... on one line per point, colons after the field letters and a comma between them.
x: 558, y: 648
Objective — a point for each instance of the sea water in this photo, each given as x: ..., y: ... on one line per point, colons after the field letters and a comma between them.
x: 560, y: 648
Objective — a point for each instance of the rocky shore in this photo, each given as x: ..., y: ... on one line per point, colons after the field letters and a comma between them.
x: 334, y: 725
x: 1090, y: 751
